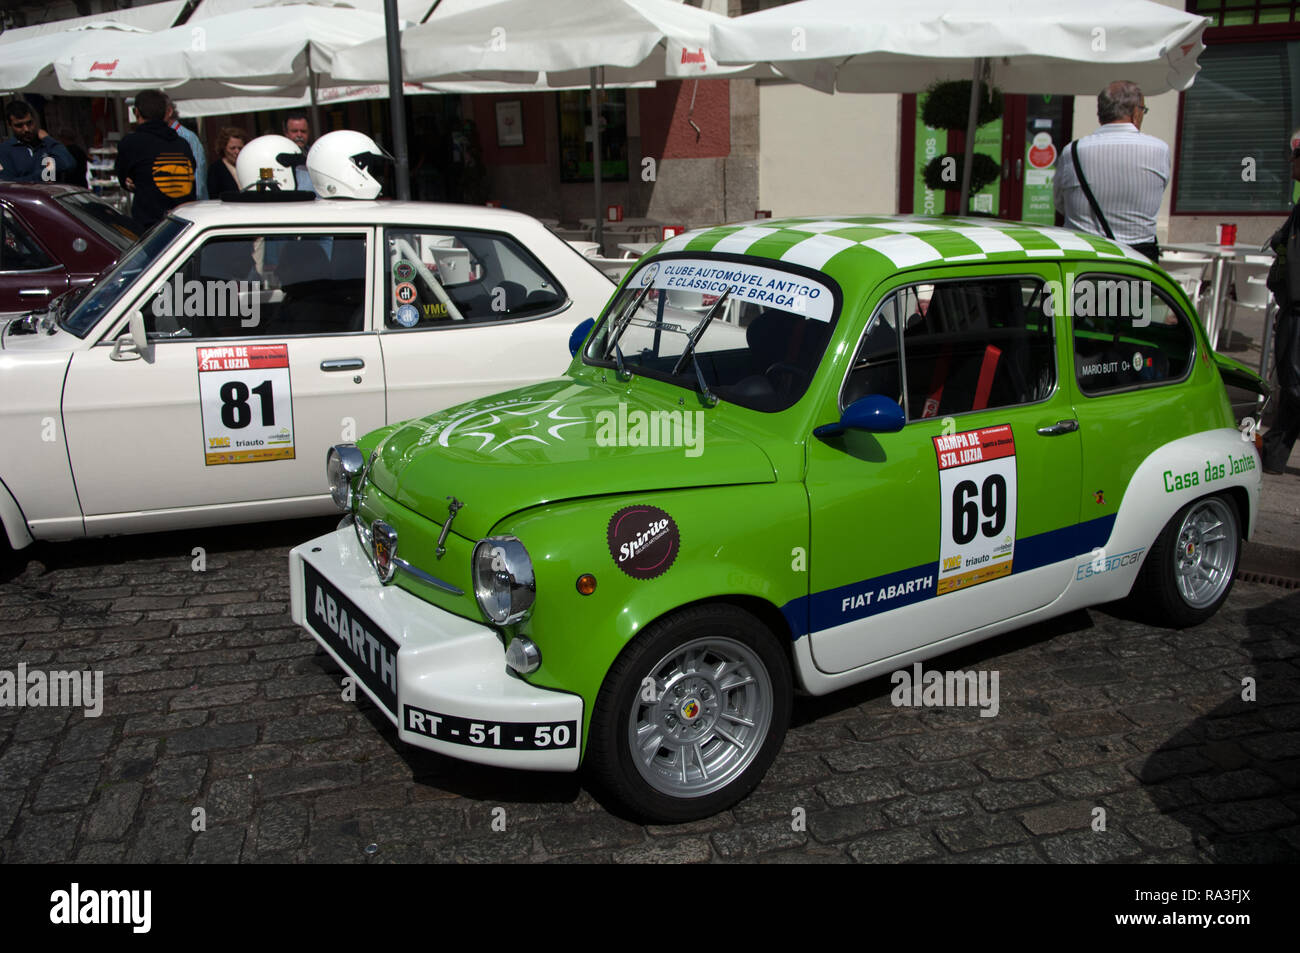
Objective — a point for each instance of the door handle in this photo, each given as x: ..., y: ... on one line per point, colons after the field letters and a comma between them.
x: 343, y: 364
x: 1058, y: 428
x: 1020, y: 165
x: 34, y: 293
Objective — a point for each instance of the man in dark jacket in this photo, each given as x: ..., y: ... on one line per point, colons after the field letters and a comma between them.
x: 155, y: 162
x: 31, y: 154
x: 1284, y: 282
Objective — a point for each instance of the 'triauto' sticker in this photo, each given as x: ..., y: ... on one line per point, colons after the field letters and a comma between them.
x: 246, y: 403
x: 643, y: 541
x: 977, y: 495
x: 403, y: 270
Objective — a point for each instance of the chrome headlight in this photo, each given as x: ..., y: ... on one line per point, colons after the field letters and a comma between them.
x: 342, y: 463
x: 503, y: 579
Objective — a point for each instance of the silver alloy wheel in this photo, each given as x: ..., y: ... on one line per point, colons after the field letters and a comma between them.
x: 710, y: 714
x: 1206, y: 552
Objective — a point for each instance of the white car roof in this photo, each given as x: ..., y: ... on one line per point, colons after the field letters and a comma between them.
x: 353, y: 212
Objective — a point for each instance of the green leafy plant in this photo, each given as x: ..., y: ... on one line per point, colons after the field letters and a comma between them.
x: 984, y: 170
x: 947, y: 105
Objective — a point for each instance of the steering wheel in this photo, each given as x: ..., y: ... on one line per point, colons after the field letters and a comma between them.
x: 794, y: 374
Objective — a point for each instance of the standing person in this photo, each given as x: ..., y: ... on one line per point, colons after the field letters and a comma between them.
x: 1284, y: 282
x: 23, y: 155
x: 1125, y: 170
x: 154, y: 162
x: 196, y: 147
x: 297, y: 128
x: 221, y: 173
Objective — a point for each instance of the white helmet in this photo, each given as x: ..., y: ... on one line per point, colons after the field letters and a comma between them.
x: 276, y: 154
x: 340, y: 164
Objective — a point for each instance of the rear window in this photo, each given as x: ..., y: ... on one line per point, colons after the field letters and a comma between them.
x: 101, y: 218
x: 1127, y: 334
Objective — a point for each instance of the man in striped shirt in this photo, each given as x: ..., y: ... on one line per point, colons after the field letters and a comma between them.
x: 1126, y: 170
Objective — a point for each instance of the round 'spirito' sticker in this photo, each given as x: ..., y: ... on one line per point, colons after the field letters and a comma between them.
x: 404, y: 293
x: 403, y: 271
x: 643, y: 541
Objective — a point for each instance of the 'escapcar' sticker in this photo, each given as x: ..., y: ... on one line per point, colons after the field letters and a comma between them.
x: 643, y: 541
x: 977, y: 496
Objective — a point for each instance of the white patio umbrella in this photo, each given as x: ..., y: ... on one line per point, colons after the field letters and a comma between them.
x: 282, y: 48
x: 28, y: 64
x: 632, y: 40
x: 1019, y: 46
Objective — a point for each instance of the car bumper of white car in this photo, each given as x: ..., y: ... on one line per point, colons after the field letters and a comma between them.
x: 441, y: 679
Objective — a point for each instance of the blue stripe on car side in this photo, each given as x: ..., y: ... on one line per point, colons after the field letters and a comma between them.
x: 859, y: 600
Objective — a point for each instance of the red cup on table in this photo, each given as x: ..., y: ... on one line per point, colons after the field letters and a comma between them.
x: 1227, y: 234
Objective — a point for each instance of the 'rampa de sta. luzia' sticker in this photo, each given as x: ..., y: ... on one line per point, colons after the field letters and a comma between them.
x: 768, y: 287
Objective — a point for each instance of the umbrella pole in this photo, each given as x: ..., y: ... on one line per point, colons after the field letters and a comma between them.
x: 595, y: 162
x: 311, y: 88
x: 396, y: 105
x: 972, y: 122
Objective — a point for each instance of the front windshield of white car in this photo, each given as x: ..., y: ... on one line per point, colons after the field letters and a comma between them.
x: 111, y: 285
x: 759, y: 327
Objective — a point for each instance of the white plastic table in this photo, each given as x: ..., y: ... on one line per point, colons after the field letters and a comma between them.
x: 1222, y: 255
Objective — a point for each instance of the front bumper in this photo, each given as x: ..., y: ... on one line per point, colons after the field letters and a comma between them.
x: 440, y: 678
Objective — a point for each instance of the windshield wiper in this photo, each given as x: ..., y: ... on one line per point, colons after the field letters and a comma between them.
x: 619, y: 326
x: 689, y: 349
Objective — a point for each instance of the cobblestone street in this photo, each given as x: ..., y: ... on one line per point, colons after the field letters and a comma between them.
x: 213, y: 699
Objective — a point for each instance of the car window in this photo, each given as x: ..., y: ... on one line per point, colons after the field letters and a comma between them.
x: 1127, y: 334
x: 443, y: 278
x: 18, y: 250
x: 110, y: 286
x: 100, y: 217
x: 236, y: 286
x: 966, y: 345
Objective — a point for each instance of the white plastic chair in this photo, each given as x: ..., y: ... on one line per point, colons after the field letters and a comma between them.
x: 1189, y: 270
x: 1252, y: 292
x: 588, y: 249
x: 615, y: 268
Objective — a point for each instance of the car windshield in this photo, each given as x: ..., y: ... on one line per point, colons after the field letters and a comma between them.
x: 111, y: 285
x: 101, y: 218
x: 761, y: 347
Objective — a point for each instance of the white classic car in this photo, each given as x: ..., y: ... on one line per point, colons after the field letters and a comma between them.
x: 202, y: 380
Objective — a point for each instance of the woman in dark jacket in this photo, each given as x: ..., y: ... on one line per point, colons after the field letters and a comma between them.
x: 221, y: 171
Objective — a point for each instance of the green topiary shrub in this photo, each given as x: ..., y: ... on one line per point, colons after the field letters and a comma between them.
x: 947, y: 105
x: 984, y: 171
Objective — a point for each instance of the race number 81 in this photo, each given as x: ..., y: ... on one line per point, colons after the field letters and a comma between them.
x: 235, y: 411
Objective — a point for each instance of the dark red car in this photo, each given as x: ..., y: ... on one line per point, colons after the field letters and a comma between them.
x: 54, y: 238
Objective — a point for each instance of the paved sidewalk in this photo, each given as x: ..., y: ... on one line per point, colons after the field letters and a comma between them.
x: 1274, y: 551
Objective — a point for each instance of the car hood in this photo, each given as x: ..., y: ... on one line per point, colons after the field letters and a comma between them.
x: 42, y: 341
x: 560, y: 440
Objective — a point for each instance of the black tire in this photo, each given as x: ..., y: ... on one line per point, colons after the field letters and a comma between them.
x: 1189, y: 571
x: 724, y: 748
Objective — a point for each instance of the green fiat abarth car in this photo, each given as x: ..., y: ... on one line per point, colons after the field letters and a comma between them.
x: 790, y: 456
